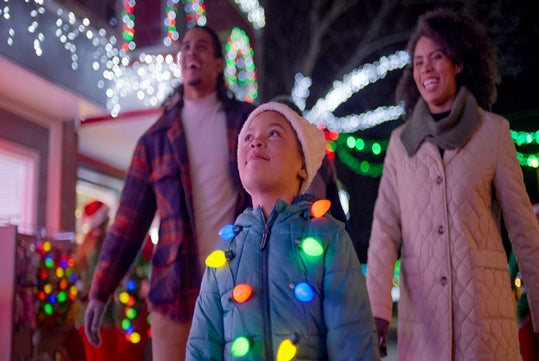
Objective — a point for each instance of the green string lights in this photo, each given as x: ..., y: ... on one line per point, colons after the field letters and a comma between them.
x: 345, y: 145
x: 240, y: 73
x: 349, y: 149
x: 522, y: 138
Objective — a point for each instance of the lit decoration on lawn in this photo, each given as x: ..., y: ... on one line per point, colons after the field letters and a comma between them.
x: 132, y: 308
x: 240, y: 74
x: 195, y: 13
x: 128, y: 301
x: 56, y: 290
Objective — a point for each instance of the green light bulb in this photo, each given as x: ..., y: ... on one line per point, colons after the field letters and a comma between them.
x: 240, y: 347
x: 312, y: 247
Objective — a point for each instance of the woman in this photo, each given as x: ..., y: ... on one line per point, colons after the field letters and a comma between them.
x: 449, y: 171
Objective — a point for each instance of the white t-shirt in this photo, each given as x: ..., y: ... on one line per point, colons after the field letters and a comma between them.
x: 214, y: 195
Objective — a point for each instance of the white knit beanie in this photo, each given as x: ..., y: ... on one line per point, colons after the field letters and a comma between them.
x: 312, y: 140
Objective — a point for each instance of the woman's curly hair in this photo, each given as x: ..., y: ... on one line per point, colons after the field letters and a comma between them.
x: 464, y: 41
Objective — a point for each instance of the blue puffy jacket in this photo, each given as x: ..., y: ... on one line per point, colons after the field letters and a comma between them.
x: 268, y: 255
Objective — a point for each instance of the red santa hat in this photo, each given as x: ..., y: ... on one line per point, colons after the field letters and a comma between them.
x: 94, y: 214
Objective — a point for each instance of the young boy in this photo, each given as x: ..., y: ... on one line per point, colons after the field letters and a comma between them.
x: 290, y: 285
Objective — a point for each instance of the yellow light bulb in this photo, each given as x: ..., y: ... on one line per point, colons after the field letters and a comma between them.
x: 286, y: 351
x: 135, y: 337
x: 216, y: 259
x: 123, y: 297
x: 47, y: 246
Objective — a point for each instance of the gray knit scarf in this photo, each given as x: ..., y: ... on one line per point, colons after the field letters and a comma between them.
x: 452, y: 132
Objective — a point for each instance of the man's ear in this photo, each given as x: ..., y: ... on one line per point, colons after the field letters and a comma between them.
x: 220, y: 65
x: 302, y: 173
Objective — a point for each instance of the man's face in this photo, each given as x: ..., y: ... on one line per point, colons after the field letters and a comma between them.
x: 198, y: 63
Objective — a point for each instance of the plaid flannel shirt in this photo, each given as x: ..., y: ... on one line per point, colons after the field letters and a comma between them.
x: 158, y: 179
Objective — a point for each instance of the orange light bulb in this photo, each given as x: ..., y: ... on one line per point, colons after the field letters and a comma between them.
x: 242, y: 292
x: 320, y: 207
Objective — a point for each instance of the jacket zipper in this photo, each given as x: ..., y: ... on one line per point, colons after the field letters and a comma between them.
x: 268, y: 348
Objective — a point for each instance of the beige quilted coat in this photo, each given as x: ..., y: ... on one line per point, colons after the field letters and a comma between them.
x: 455, y: 301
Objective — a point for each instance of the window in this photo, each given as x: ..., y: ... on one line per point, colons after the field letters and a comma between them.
x: 18, y: 186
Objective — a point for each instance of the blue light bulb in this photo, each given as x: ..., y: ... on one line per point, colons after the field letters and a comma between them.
x: 131, y: 285
x: 304, y: 292
x: 227, y: 232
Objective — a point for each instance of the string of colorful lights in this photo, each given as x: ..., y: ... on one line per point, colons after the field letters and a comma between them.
x: 149, y: 78
x: 195, y: 13
x: 56, y: 285
x: 128, y: 28
x: 239, y: 72
x: 241, y: 293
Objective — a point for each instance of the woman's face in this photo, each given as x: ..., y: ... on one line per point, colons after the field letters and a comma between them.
x: 435, y: 75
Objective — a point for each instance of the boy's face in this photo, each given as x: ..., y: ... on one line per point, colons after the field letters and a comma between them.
x: 269, y: 156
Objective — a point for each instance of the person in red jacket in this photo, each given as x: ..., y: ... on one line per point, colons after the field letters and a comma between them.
x: 95, y: 220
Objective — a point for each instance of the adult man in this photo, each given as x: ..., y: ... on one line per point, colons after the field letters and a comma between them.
x: 184, y: 167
